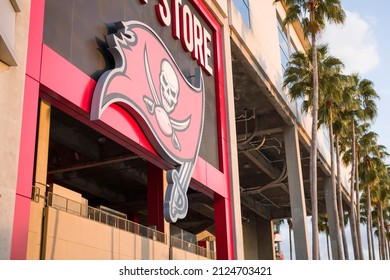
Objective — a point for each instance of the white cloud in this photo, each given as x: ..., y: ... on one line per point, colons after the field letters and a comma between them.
x: 354, y: 43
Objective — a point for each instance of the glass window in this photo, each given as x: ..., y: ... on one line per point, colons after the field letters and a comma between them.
x: 283, y: 46
x: 243, y: 7
x: 286, y: 48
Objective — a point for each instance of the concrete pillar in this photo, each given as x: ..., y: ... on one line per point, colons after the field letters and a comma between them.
x: 297, y: 195
x: 249, y: 231
x: 265, y: 239
x: 330, y: 201
x: 232, y: 146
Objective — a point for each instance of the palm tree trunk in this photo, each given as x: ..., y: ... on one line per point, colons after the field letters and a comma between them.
x: 382, y: 231
x: 352, y: 200
x: 388, y: 247
x: 340, y: 200
x: 368, y: 241
x: 369, y: 223
x: 333, y: 219
x: 313, y: 150
x: 357, y: 193
x: 290, y: 241
x: 379, y: 239
x: 372, y: 238
x: 327, y: 245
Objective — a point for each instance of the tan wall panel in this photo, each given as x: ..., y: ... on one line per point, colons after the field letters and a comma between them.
x: 67, y: 193
x: 34, y: 231
x: 179, y: 254
x: 72, y: 237
x: 36, y: 210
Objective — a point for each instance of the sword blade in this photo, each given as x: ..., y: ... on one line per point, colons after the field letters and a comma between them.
x: 150, y: 80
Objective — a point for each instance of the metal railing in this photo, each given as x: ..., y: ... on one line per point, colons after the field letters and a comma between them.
x: 192, y: 248
x: 77, y: 208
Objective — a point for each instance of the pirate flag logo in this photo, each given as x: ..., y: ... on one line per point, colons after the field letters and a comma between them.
x: 149, y: 85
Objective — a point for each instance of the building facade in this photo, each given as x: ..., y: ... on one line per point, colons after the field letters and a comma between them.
x: 139, y: 129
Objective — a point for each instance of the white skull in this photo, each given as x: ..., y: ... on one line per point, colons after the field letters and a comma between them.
x: 169, y: 86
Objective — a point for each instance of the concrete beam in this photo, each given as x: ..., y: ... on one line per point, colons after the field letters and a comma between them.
x: 251, y: 204
x: 263, y: 164
x: 297, y: 194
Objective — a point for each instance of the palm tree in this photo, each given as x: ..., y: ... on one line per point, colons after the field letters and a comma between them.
x: 331, y: 83
x: 364, y: 220
x: 371, y: 170
x: 387, y: 228
x: 347, y: 144
x: 314, y: 14
x: 363, y: 109
x: 381, y: 196
x: 366, y: 96
x: 332, y: 101
x: 339, y: 128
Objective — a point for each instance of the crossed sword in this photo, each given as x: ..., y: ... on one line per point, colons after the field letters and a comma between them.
x: 176, y: 201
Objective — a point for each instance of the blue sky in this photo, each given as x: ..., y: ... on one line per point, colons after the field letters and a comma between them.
x: 363, y: 44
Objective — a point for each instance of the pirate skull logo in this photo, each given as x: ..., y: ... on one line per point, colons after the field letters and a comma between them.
x: 169, y: 87
x: 164, y: 106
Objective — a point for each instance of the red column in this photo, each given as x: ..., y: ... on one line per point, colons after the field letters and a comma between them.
x: 155, y: 197
x: 28, y: 132
x: 223, y: 228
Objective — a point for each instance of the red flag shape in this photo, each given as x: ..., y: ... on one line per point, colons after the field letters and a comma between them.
x: 147, y: 82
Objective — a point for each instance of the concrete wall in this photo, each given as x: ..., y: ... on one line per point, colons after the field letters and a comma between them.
x: 258, y: 238
x: 11, y: 97
x: 260, y: 40
x: 250, y: 237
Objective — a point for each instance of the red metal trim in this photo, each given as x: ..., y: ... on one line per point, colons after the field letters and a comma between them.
x: 35, y: 39
x: 20, y: 227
